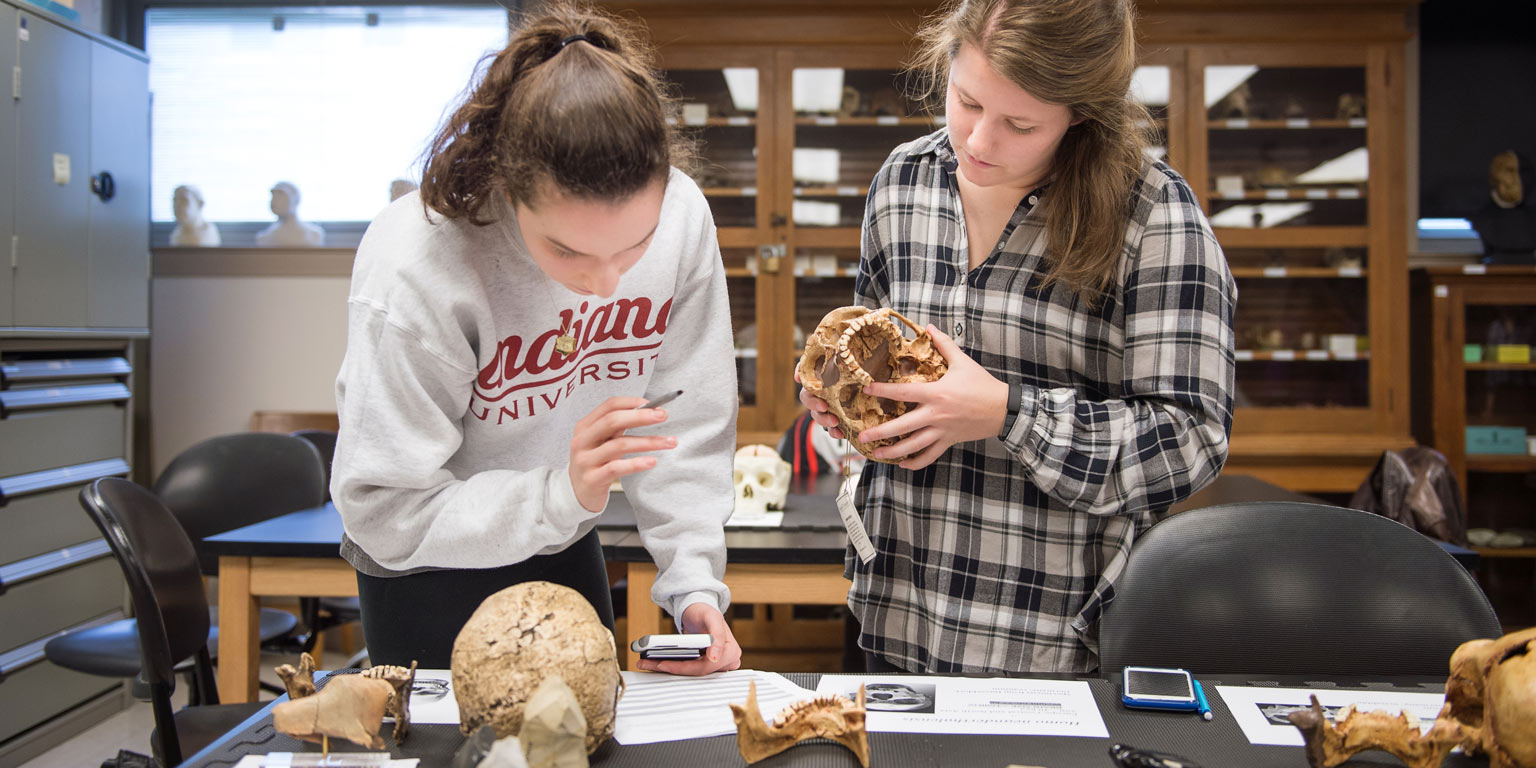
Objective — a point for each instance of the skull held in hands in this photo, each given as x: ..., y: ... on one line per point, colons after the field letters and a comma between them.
x: 855, y: 346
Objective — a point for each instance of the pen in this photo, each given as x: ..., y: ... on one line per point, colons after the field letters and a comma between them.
x: 663, y: 400
x: 1205, y: 706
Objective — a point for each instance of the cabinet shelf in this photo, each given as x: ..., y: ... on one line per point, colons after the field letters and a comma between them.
x: 717, y: 122
x: 729, y: 191
x: 869, y: 120
x: 847, y: 190
x: 1505, y: 551
x: 1501, y: 366
x: 1490, y: 462
x: 1296, y: 355
x: 1297, y: 193
x: 1294, y: 272
x: 1294, y: 123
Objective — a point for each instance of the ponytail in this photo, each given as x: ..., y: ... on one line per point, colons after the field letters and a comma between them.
x: 572, y: 105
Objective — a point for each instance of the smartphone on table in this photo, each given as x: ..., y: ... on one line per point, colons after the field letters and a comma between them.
x: 1159, y: 688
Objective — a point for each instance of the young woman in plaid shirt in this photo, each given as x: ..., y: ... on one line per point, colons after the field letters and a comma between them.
x: 1085, y: 310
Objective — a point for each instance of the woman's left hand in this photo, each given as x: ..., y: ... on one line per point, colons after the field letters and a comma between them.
x: 723, y: 654
x: 966, y: 404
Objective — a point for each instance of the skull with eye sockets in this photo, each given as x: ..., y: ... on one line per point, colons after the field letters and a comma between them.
x: 855, y: 346
x: 762, y: 480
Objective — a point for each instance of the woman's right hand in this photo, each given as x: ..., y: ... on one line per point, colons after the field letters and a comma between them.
x: 599, y: 447
x: 818, y: 408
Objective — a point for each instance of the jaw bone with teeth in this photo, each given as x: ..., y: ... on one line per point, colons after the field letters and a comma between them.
x: 762, y: 480
x: 855, y: 346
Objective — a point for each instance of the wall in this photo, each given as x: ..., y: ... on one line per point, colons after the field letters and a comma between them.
x: 224, y: 345
x: 1477, y: 98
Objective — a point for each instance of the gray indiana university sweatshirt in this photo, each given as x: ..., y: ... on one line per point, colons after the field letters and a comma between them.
x: 457, y: 411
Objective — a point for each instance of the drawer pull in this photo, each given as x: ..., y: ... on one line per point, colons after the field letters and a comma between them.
x: 55, y: 397
x: 25, y: 656
x: 51, y: 562
x: 46, y: 370
x: 63, y: 477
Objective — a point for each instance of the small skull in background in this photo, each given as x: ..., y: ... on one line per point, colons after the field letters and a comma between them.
x: 762, y: 480
x: 854, y: 346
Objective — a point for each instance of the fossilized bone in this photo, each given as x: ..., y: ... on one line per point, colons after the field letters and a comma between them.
x: 1329, y: 745
x: 349, y: 707
x: 554, y: 731
x: 854, y: 346
x: 401, y: 680
x: 299, y: 682
x: 1492, y: 693
x: 828, y: 717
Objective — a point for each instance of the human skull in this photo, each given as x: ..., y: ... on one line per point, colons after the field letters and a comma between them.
x: 517, y: 638
x: 1492, y: 692
x: 855, y: 346
x: 762, y: 480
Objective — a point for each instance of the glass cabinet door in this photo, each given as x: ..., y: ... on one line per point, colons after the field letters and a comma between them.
x: 1283, y: 169
x: 729, y: 127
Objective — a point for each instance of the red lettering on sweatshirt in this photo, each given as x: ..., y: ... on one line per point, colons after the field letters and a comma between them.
x: 517, y: 366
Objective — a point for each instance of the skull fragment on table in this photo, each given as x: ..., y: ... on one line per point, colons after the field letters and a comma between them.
x: 1492, y: 693
x: 762, y: 480
x: 855, y: 346
x: 517, y: 638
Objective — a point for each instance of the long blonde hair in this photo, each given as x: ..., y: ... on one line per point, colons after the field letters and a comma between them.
x: 1080, y: 54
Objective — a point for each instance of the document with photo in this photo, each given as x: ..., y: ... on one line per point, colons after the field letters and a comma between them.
x: 907, y: 704
x: 1262, y: 712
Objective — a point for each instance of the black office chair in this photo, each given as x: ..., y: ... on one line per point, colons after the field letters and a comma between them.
x: 1285, y: 588
x: 166, y: 587
x: 216, y: 485
x: 322, y: 613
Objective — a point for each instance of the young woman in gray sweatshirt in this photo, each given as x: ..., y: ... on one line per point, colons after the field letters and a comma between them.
x: 506, y: 322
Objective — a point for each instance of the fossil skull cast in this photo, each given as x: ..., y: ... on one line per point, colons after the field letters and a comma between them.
x: 855, y: 346
x: 518, y: 637
x: 347, y: 712
x: 827, y: 717
x: 762, y: 480
x: 1492, y: 693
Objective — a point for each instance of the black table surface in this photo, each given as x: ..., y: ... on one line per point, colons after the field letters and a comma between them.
x: 1216, y: 744
x: 811, y: 532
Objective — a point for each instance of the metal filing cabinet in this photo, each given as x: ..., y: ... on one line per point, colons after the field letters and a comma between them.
x: 74, y: 297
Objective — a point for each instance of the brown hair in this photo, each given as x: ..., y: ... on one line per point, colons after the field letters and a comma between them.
x: 587, y: 114
x: 1077, y: 53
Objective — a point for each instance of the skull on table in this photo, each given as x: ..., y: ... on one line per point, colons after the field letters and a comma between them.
x: 762, y: 480
x: 854, y: 346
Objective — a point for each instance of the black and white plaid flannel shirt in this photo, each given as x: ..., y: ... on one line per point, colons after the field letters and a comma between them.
x: 1001, y: 554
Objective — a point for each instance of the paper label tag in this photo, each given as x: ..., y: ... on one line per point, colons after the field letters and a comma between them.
x: 857, y: 536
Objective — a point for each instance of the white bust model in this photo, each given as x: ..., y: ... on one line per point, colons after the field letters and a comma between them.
x: 400, y: 188
x: 289, y: 231
x: 191, y: 227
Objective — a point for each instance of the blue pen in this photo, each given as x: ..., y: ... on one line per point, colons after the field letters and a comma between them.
x: 1205, y: 706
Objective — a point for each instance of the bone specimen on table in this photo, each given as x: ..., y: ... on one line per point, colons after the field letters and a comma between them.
x: 299, y: 682
x: 523, y: 634
x: 761, y: 478
x: 554, y: 730
x: 855, y: 346
x: 1491, y: 692
x: 1329, y: 744
x: 401, y: 680
x: 827, y: 717
x: 348, y: 707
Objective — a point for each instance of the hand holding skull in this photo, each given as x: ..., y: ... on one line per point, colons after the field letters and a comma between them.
x: 966, y: 404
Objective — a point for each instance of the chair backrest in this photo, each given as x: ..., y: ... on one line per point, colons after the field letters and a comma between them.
x: 165, y: 585
x: 231, y: 481
x: 1288, y: 588
x: 324, y: 441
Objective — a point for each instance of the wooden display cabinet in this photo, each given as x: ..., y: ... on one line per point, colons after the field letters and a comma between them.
x: 1307, y: 194
x: 1470, y: 311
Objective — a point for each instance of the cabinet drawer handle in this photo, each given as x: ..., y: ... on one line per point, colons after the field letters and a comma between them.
x: 63, y: 477
x: 46, y: 370
x: 103, y: 186
x: 55, y: 397
x: 51, y: 562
